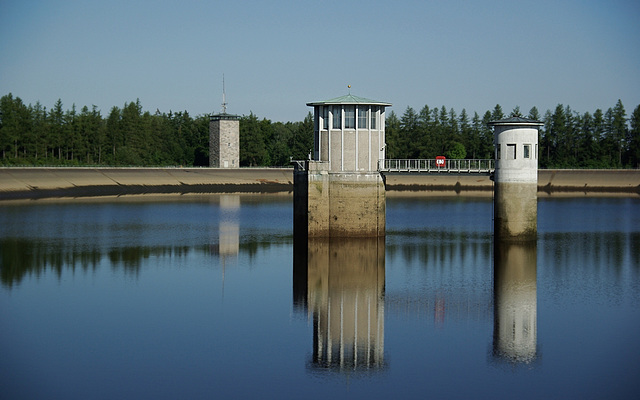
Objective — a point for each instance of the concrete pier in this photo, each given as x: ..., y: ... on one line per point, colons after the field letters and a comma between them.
x: 347, y: 204
x: 516, y: 179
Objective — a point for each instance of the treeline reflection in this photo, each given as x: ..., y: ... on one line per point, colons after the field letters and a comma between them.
x: 439, y: 247
x: 21, y: 257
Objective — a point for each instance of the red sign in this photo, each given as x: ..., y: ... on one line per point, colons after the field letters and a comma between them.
x: 440, y: 161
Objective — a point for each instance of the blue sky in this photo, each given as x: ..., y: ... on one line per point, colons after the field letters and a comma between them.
x: 277, y: 56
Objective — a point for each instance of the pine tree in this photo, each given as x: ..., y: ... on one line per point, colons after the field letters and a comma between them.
x: 619, y: 130
x: 497, y: 113
x: 534, y: 114
x: 57, y: 129
x: 633, y: 138
x: 393, y: 139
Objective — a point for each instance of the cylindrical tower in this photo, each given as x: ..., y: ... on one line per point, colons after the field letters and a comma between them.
x: 516, y: 179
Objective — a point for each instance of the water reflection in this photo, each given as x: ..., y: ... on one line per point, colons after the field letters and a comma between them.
x: 440, y: 276
x: 24, y: 257
x: 229, y: 227
x: 345, y: 283
x: 515, y: 302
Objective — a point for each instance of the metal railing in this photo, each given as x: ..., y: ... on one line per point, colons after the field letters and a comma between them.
x: 437, y: 166
x: 299, y: 165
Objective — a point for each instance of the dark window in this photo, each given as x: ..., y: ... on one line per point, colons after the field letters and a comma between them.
x: 337, y: 117
x: 350, y: 117
x: 374, y: 117
x: 362, y: 117
x: 325, y: 117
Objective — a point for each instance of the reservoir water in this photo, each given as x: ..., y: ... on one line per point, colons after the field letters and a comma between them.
x: 211, y: 297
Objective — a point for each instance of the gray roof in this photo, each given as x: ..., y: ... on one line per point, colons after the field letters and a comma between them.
x: 349, y: 99
x: 217, y: 117
x: 516, y: 121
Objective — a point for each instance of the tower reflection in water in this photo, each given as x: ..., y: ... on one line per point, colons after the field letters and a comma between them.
x: 340, y: 284
x: 515, y: 302
x: 228, y: 240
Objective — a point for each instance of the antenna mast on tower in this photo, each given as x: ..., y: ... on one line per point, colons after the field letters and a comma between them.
x: 224, y: 100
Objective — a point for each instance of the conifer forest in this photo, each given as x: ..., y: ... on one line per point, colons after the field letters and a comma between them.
x: 34, y: 135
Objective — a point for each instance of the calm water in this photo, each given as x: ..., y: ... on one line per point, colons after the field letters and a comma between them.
x: 209, y: 298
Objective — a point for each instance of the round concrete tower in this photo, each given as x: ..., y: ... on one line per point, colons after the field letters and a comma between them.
x: 516, y: 179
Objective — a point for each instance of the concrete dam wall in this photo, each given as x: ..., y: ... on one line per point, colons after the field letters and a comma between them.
x: 38, y: 183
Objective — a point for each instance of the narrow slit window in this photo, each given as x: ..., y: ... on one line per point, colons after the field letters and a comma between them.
x: 511, y: 151
x: 526, y: 151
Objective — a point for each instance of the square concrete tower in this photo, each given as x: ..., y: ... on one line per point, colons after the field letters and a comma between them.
x: 340, y: 192
x: 224, y: 141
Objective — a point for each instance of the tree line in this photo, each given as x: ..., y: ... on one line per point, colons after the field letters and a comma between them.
x: 567, y: 138
x: 129, y: 136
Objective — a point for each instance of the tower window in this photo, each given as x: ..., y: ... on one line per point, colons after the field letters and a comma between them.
x: 374, y: 117
x: 362, y: 118
x: 527, y: 151
x: 325, y: 117
x: 511, y: 151
x: 350, y: 117
x: 337, y: 117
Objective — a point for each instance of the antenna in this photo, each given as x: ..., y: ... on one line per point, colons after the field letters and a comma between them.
x: 224, y: 100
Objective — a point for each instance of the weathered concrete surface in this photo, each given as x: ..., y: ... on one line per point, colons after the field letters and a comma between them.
x: 34, y: 183
x: 550, y: 182
x: 589, y: 180
x: 515, y: 211
x: 346, y: 205
x: 405, y: 184
x: 356, y: 205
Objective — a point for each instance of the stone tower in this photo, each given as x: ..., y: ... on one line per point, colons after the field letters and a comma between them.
x: 224, y: 137
x: 224, y: 141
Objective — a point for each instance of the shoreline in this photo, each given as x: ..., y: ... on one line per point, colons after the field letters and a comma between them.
x: 38, y: 183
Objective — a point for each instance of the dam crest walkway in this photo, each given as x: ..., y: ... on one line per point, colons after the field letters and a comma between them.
x: 437, y: 166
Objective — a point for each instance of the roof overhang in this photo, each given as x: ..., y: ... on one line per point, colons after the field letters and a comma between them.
x: 349, y: 100
x: 516, y: 121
